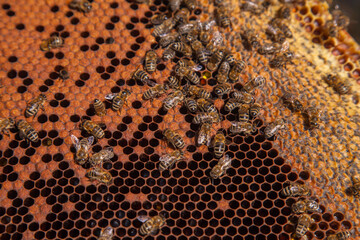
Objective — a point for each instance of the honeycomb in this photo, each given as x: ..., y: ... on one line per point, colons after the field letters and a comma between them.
x: 44, y: 194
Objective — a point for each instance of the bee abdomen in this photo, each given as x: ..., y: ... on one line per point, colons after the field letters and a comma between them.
x: 145, y: 228
x: 31, y: 110
x: 219, y: 149
x: 98, y: 132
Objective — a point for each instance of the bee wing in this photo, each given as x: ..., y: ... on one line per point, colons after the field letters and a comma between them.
x: 110, y: 96
x: 90, y: 140
x: 109, y: 231
x: 75, y: 141
x: 225, y: 162
x: 143, y: 218
x: 208, y: 25
x: 217, y: 38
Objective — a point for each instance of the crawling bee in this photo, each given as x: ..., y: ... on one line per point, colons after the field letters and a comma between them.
x: 173, y: 99
x: 241, y: 128
x: 158, y: 19
x: 33, y: 106
x: 168, y: 54
x: 254, y: 110
x: 340, y: 236
x: 204, y: 137
x: 174, y: 138
x: 182, y: 15
x: 150, y: 61
x: 341, y: 86
x: 275, y: 34
x: 198, y: 92
x: 254, y: 83
x: 200, y: 51
x: 221, y: 167
x: 355, y: 188
x: 167, y: 161
x: 205, y: 37
x: 52, y: 42
x: 168, y: 39
x: 64, y: 74
x: 191, y: 104
x: 312, y: 116
x: 82, y: 148
x: 215, y: 60
x: 274, y: 127
x: 296, y: 190
x: 99, y: 175
x: 174, y: 82
x: 174, y: 4
x: 215, y: 42
x: 303, y: 225
x: 83, y: 6
x: 152, y: 225
x: 142, y: 76
x: 164, y: 27
x: 104, y: 155
x: 282, y: 60
x: 205, y: 105
x: 155, y: 92
x: 284, y: 12
x: 236, y: 70
x: 277, y: 23
x: 243, y: 113
x: 231, y: 104
x: 93, y: 128
x: 339, y: 22
x: 212, y: 117
x: 270, y: 48
x: 219, y: 144
x: 99, y: 107
x: 27, y: 131
x: 222, y: 89
x: 307, y: 205
x: 222, y: 16
x: 254, y: 8
x: 292, y: 102
x: 118, y: 99
x: 187, y: 73
x: 223, y: 72
x: 106, y: 234
x: 242, y: 97
x: 251, y: 38
x: 190, y: 4
x: 182, y: 48
x: 6, y: 124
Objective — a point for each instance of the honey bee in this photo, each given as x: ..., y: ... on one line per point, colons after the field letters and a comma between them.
x: 167, y: 161
x: 216, y: 41
x: 270, y: 48
x: 6, y: 124
x: 205, y: 37
x: 188, y: 63
x: 190, y: 104
x: 182, y: 15
x: 205, y: 105
x: 222, y: 89
x: 182, y: 48
x: 142, y: 76
x: 212, y: 117
x: 339, y: 22
x: 302, y: 206
x: 200, y: 51
x: 355, y: 188
x: 230, y: 58
x: 204, y: 137
x: 99, y: 107
x: 158, y: 19
x: 296, y: 190
x: 222, y: 16
x: 27, y: 131
x: 223, y: 72
x: 241, y: 128
x: 242, y: 97
x: 281, y: 60
x: 152, y: 225
x: 168, y: 54
x: 155, y: 92
x: 174, y: 82
x: 252, y: 7
x: 251, y: 38
x: 33, y: 106
x: 276, y: 22
x: 221, y: 167
x: 254, y: 83
x: 254, y: 110
x: 243, y: 113
x: 236, y: 70
x: 198, y: 92
x: 93, y: 128
x: 339, y: 236
x: 274, y: 127
x: 99, y: 175
x: 174, y: 138
x: 83, y: 6
x: 187, y: 73
x: 292, y: 102
x: 64, y: 74
x: 190, y: 4
x: 106, y: 234
x: 164, y: 27
x: 104, y: 155
x: 275, y: 34
x: 219, y: 144
x: 150, y: 61
x: 231, y: 104
x: 215, y: 60
x: 82, y: 148
x: 284, y: 12
x: 173, y: 99
x: 303, y: 225
x: 118, y: 99
x: 168, y: 39
x: 341, y: 86
x: 52, y: 42
x: 174, y: 4
x: 312, y: 116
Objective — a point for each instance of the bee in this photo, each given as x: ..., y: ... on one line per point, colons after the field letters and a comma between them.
x: 230, y: 58
x: 242, y: 97
x: 188, y: 74
x: 52, y: 42
x: 174, y: 4
x: 64, y: 74
x: 83, y: 6
x: 251, y: 38
x: 33, y: 106
x: 204, y: 137
x: 93, y: 128
x: 104, y: 155
x: 241, y: 128
x: 142, y: 76
x: 281, y: 60
x: 82, y: 148
x: 303, y: 225
x: 216, y: 41
x: 339, y: 22
x: 182, y: 48
x: 152, y: 225
x: 158, y: 19
x: 339, y: 85
x: 276, y: 22
x: 284, y: 12
x: 221, y: 167
x: 222, y: 89
x: 204, y: 105
x: 219, y: 144
x: 205, y: 37
x: 243, y: 113
x: 174, y: 138
x: 173, y: 99
x: 168, y: 54
x: 99, y: 175
x: 150, y: 61
x: 190, y: 4
x: 223, y: 72
x: 256, y: 82
x: 187, y: 28
x: 312, y: 116
x: 252, y: 7
x: 6, y: 124
x: 106, y: 234
x: 296, y: 190
x: 164, y: 27
x: 215, y: 60
x: 254, y: 110
x: 118, y: 99
x: 275, y: 34
x: 167, y: 161
x: 222, y: 16
x: 231, y: 104
x: 99, y: 107
x: 274, y: 127
x: 168, y: 39
x: 174, y: 82
x: 270, y: 48
x: 190, y: 104
x: 200, y: 51
x: 182, y: 15
x: 212, y: 117
x: 355, y: 188
x: 27, y: 131
x: 188, y: 63
x: 302, y: 206
x: 340, y: 236
x: 155, y: 92
x: 292, y: 102
x: 236, y: 70
x: 198, y: 92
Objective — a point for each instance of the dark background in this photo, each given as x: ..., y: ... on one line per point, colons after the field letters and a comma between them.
x: 351, y: 8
